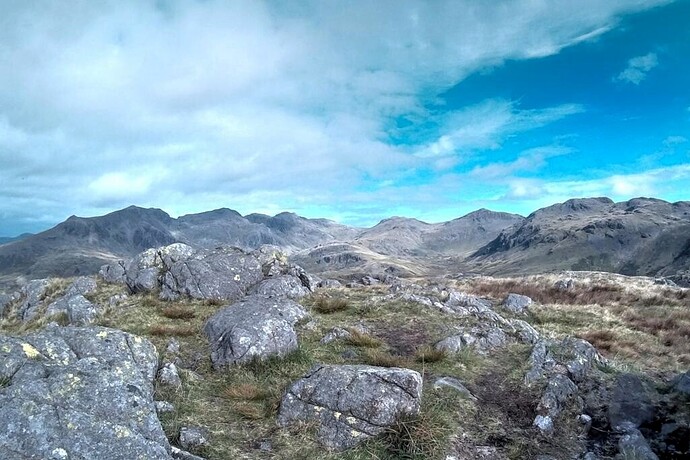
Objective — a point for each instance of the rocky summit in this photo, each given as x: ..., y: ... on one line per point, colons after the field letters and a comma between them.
x: 331, y: 342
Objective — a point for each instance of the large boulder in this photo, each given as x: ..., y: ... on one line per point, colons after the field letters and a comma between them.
x: 223, y: 274
x: 281, y: 286
x: 78, y: 393
x: 113, y: 273
x: 255, y: 327
x: 350, y: 404
x: 517, y: 303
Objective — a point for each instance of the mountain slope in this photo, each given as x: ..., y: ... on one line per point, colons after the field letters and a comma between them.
x: 642, y: 236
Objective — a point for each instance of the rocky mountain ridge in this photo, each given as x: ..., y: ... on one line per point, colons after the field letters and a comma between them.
x: 643, y: 236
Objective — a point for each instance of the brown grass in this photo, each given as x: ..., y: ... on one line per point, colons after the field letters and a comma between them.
x: 428, y: 354
x: 385, y: 359
x: 361, y: 339
x: 246, y: 392
x: 326, y: 305
x: 178, y: 312
x: 249, y: 411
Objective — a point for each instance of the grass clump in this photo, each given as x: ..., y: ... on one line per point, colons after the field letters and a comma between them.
x: 246, y: 392
x: 178, y: 312
x: 429, y: 354
x: 362, y: 339
x: 385, y: 359
x: 328, y: 305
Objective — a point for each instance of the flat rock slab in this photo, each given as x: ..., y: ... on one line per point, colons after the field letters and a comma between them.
x: 78, y: 393
x: 255, y: 327
x: 352, y: 403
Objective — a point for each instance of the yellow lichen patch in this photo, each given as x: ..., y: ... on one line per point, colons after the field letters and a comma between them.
x: 6, y: 348
x: 137, y: 339
x: 337, y: 415
x: 351, y: 420
x: 30, y: 351
x: 355, y: 433
x: 102, y: 334
x: 71, y: 425
x: 237, y: 277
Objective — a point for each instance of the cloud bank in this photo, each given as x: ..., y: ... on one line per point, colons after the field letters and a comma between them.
x: 261, y: 106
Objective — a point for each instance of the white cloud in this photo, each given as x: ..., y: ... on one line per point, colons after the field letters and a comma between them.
x: 189, y: 105
x: 528, y: 161
x: 488, y: 124
x: 638, y: 68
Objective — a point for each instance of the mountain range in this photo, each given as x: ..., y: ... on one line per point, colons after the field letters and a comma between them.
x: 642, y: 236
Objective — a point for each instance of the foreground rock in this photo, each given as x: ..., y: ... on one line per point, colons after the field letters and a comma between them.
x: 255, y: 327
x: 350, y: 404
x: 72, y: 393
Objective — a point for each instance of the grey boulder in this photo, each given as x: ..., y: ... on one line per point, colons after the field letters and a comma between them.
x: 254, y: 328
x: 517, y: 303
x: 350, y: 404
x: 82, y: 286
x: 223, y: 274
x: 282, y: 286
x: 113, y: 273
x: 631, y: 402
x: 482, y: 339
x: 78, y: 310
x: 32, y: 295
x: 71, y: 392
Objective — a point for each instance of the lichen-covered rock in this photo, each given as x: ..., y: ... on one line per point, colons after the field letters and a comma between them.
x: 281, y: 286
x: 113, y: 273
x: 517, y: 303
x: 559, y: 391
x: 79, y: 311
x: 482, y: 339
x: 470, y: 302
x: 585, y: 358
x: 32, y: 295
x: 524, y: 331
x: 351, y: 403
x: 72, y: 392
x: 82, y: 286
x: 255, y: 327
x: 223, y: 274
x: 169, y: 376
x: 193, y: 437
x: 335, y: 333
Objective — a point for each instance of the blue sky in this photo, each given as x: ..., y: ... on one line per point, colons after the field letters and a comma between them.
x: 354, y: 111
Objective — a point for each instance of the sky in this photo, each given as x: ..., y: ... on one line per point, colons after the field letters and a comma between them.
x: 349, y: 110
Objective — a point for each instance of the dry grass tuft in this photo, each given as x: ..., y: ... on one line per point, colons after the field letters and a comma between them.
x: 384, y: 359
x: 249, y: 411
x: 326, y: 305
x: 362, y: 339
x: 429, y: 354
x: 246, y: 392
x: 177, y: 312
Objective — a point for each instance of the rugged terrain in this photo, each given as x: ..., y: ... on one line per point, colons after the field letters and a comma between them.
x: 222, y: 353
x: 642, y: 236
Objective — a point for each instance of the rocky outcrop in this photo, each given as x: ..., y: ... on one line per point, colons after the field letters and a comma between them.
x: 71, y: 392
x: 76, y: 308
x: 282, y: 286
x: 350, y: 404
x: 516, y: 303
x: 482, y: 339
x: 254, y: 328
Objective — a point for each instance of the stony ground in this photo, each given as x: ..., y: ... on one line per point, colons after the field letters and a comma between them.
x: 637, y: 326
